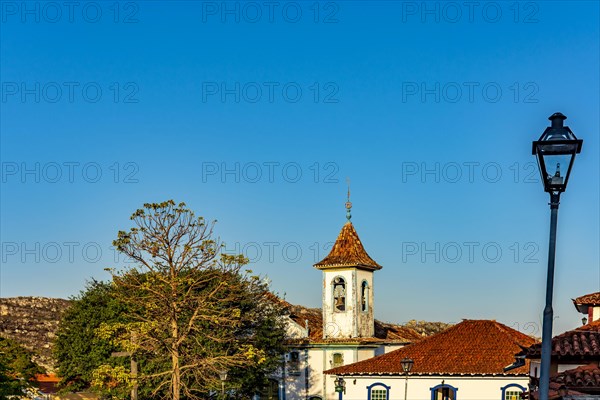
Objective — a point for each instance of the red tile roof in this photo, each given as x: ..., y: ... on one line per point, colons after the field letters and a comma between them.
x: 384, y: 332
x: 47, y: 384
x: 472, y: 347
x: 348, y: 251
x: 592, y: 299
x: 581, y: 343
x: 553, y: 393
x: 580, y: 378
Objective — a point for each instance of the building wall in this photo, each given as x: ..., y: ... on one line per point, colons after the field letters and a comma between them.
x: 365, y: 320
x: 353, y: 322
x: 595, y: 313
x: 337, y: 324
x: 310, y: 380
x: 469, y: 388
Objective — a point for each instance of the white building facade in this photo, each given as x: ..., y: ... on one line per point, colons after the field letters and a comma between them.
x: 465, y: 362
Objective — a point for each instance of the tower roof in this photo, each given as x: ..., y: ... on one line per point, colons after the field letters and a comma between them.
x: 348, y: 251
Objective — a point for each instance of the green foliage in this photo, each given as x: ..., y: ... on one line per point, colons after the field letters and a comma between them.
x: 199, y: 313
x: 78, y: 348
x: 16, y: 368
x: 180, y: 297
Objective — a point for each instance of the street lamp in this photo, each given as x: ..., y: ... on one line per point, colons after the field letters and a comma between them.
x: 340, y: 386
x: 223, y: 378
x: 555, y: 151
x: 584, y: 320
x: 407, y: 365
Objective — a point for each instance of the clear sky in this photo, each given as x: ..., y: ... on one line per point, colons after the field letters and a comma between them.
x: 255, y: 113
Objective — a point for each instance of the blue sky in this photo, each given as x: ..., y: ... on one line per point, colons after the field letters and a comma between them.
x: 255, y: 115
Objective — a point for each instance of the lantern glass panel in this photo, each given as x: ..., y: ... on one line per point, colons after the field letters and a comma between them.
x: 557, y: 167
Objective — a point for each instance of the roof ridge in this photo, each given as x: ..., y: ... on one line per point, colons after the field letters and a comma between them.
x: 512, y: 333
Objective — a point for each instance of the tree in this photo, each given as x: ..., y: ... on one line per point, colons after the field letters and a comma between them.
x: 190, y: 306
x: 78, y: 348
x: 17, y: 370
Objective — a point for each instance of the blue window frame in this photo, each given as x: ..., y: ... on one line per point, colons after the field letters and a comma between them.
x: 443, y: 392
x: 512, y: 390
x: 374, y: 392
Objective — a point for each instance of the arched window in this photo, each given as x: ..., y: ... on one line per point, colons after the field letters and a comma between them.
x: 339, y: 294
x: 512, y: 391
x: 443, y: 392
x: 364, y: 296
x: 378, y: 391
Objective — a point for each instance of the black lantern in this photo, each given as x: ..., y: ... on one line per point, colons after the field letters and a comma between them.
x: 563, y: 391
x: 584, y: 320
x: 555, y: 151
x: 340, y: 385
x: 407, y: 364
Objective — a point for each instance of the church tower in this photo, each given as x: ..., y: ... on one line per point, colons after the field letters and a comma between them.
x: 348, y: 286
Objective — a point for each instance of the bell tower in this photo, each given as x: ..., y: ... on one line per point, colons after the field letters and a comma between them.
x: 348, y: 286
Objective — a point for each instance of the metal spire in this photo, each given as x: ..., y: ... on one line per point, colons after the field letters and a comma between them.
x: 348, y: 203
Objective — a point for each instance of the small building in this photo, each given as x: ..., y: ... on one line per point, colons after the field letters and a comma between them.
x: 464, y: 362
x: 589, y: 305
x: 343, y: 331
x: 571, y: 349
x: 574, y: 367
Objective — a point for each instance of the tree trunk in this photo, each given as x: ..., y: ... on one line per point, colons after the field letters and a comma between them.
x: 175, y: 383
x: 176, y: 374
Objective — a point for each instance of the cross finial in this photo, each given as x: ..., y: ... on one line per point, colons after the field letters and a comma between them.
x: 348, y: 203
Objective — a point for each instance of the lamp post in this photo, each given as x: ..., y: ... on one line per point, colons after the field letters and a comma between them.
x: 555, y: 151
x: 223, y: 378
x: 340, y: 386
x: 407, y: 365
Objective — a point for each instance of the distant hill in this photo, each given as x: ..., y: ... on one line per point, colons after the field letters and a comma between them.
x: 32, y: 322
x: 427, y: 328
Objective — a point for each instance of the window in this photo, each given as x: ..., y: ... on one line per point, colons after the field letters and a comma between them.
x: 378, y: 394
x: 294, y: 363
x: 338, y: 360
x: 443, y: 392
x: 512, y: 391
x: 364, y: 296
x: 512, y: 395
x: 378, y: 391
x: 339, y: 294
x: 270, y: 391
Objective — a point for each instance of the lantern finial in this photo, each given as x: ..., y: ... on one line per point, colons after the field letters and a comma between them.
x: 557, y: 119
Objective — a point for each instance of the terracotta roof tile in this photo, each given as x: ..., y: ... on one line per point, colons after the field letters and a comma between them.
x: 348, y: 251
x: 553, y: 393
x: 587, y: 376
x: 47, y: 384
x: 472, y: 347
x: 384, y: 332
x: 580, y: 343
x: 592, y: 299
